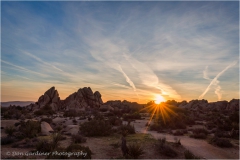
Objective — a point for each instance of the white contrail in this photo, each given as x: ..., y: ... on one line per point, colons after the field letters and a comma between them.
x: 215, y: 80
x: 216, y: 83
x: 130, y: 82
x: 127, y: 78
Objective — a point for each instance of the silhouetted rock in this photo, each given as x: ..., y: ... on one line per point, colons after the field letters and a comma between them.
x: 82, y: 99
x: 50, y: 97
x: 233, y: 105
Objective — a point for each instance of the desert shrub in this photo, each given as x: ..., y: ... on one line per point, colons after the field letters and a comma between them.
x: 56, y: 137
x: 116, y: 145
x: 165, y: 149
x: 30, y: 128
x: 74, y: 121
x: 199, y: 136
x: 135, y: 150
x: 48, y: 146
x: 17, y: 124
x: 221, y: 142
x: 96, y: 128
x: 45, y: 110
x: 82, y: 117
x: 115, y: 121
x: 72, y: 113
x: 43, y: 146
x: 225, y: 126
x: 190, y: 155
x: 135, y: 115
x: 9, y: 130
x: 199, y: 133
x: 178, y: 133
x: 155, y: 127
x: 58, y: 128
x: 7, y: 140
x: 210, y: 125
x: 48, y: 120
x: 221, y: 134
x: 129, y: 128
x: 78, y: 138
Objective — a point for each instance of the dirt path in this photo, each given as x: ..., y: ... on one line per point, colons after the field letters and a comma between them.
x: 198, y: 147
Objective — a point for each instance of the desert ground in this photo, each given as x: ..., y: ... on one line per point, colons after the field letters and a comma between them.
x: 110, y: 146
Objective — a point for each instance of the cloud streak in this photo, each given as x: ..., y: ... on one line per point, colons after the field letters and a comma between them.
x: 23, y: 69
x: 149, y: 78
x: 40, y: 60
x: 215, y: 81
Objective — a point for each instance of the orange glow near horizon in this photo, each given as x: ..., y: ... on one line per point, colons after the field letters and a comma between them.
x: 159, y: 99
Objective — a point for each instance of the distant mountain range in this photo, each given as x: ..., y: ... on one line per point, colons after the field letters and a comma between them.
x: 17, y: 103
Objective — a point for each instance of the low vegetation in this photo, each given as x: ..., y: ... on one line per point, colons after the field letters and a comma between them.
x: 165, y: 148
x: 78, y: 138
x: 221, y: 142
x: 127, y: 128
x: 199, y: 133
x: 9, y: 130
x: 45, y: 110
x: 190, y: 155
x: 135, y: 150
x: 96, y: 127
x: 30, y: 128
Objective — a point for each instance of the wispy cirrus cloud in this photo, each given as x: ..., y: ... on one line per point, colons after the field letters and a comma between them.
x: 40, y: 60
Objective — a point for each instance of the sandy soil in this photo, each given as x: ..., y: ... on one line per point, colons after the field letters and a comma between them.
x: 198, y: 147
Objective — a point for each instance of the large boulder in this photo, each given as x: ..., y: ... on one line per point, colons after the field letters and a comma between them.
x: 46, y: 129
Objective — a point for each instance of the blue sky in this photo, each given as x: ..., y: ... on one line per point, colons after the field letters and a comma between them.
x: 125, y: 50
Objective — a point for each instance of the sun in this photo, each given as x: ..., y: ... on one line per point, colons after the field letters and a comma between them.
x: 159, y: 99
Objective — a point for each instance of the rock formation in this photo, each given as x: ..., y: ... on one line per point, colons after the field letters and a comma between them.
x: 83, y: 98
x: 231, y: 106
x: 50, y: 97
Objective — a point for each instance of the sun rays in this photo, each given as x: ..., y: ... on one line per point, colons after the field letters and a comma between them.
x: 161, y: 110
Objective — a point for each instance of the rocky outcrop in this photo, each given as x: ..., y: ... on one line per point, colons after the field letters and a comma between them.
x: 233, y: 105
x: 195, y: 104
x: 106, y: 107
x: 83, y: 98
x: 50, y: 97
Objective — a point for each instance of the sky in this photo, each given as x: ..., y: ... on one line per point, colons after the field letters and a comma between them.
x: 131, y: 51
